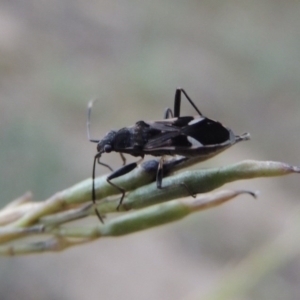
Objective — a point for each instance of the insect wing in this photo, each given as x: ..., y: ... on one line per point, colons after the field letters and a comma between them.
x: 189, y: 133
x: 168, y: 129
x: 164, y: 125
x: 162, y: 140
x: 207, y: 132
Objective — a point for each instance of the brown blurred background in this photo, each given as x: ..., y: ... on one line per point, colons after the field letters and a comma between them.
x: 238, y: 60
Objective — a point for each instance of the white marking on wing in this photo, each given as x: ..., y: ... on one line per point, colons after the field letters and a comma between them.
x: 196, y: 120
x: 194, y: 142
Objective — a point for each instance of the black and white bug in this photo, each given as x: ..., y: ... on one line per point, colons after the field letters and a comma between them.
x: 186, y: 136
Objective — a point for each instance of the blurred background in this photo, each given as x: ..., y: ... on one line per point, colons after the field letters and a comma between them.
x: 239, y: 62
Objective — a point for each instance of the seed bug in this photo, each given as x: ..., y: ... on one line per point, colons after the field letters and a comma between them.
x: 195, y: 137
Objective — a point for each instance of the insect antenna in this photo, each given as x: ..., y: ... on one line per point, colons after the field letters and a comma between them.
x: 88, y: 123
x: 97, y: 157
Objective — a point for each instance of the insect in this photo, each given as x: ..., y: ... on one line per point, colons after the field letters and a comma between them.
x: 192, y: 137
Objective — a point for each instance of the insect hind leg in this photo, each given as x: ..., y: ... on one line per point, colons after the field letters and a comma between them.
x: 177, y: 102
x: 177, y: 105
x: 159, y: 178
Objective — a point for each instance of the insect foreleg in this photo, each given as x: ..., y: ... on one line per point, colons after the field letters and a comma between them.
x: 104, y: 165
x: 123, y: 158
x: 120, y: 172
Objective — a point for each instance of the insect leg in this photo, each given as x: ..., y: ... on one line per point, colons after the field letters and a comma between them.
x: 177, y: 102
x: 159, y: 174
x: 104, y: 165
x: 159, y: 178
x: 123, y: 158
x: 122, y: 171
x: 168, y: 113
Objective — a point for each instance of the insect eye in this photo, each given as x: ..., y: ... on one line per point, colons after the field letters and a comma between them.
x: 107, y: 148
